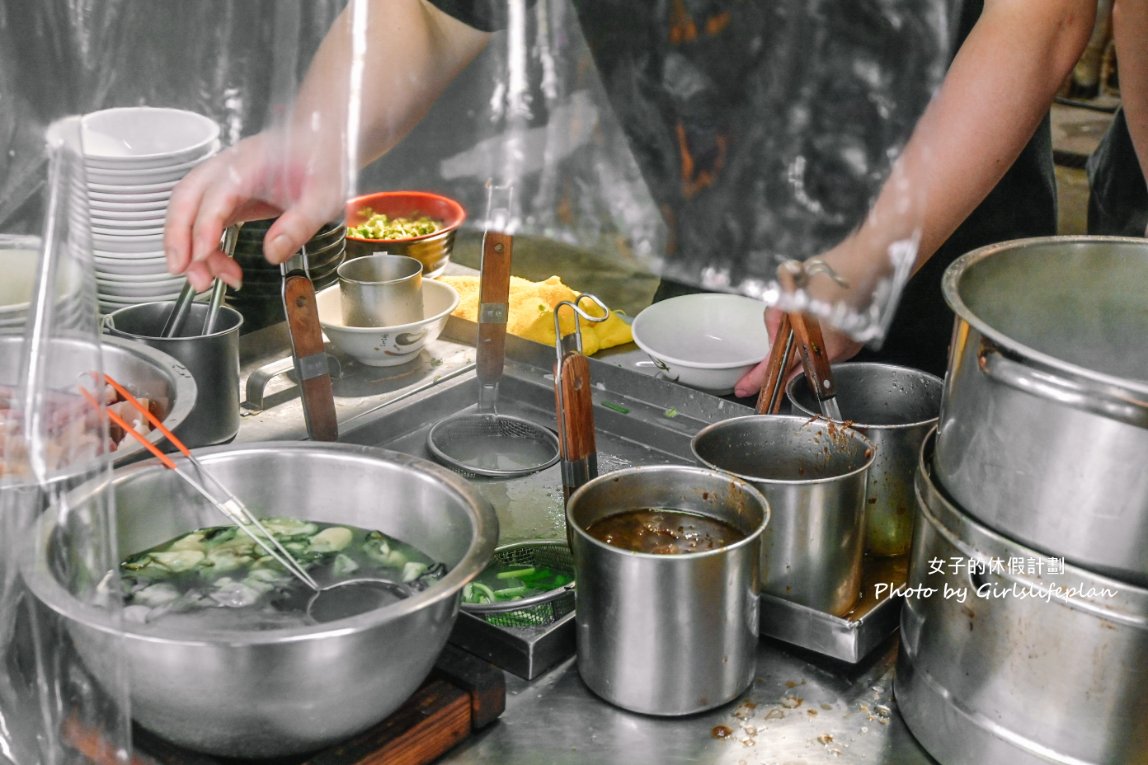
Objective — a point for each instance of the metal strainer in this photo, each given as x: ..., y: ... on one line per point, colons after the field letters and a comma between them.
x: 485, y: 442
x: 536, y: 610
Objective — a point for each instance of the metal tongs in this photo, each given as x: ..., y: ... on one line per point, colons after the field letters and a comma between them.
x: 175, y: 320
x: 805, y: 331
x: 219, y: 495
x: 572, y: 400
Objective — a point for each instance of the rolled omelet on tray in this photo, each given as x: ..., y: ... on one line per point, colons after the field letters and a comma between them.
x: 532, y: 312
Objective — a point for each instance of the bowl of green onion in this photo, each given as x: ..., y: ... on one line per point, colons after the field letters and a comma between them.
x: 525, y: 584
x: 420, y: 224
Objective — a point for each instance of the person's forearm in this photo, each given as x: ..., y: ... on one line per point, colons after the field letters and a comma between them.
x: 998, y: 88
x: 1130, y: 31
x: 411, y: 51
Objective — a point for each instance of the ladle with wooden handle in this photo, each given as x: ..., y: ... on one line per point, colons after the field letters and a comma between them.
x: 573, y: 401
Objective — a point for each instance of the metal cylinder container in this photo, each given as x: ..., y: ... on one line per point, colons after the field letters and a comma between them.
x: 381, y: 291
x: 667, y: 634
x: 1009, y: 655
x: 895, y: 408
x: 1043, y: 433
x: 213, y: 360
x: 813, y: 472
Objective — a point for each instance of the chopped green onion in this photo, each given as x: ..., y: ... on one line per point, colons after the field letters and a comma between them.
x: 671, y: 412
x: 510, y: 593
x: 517, y: 573
x: 616, y: 407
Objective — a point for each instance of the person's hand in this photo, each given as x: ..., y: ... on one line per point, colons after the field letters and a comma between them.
x: 838, y: 347
x: 255, y: 179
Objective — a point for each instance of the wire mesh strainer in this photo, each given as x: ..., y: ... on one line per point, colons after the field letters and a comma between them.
x: 536, y: 610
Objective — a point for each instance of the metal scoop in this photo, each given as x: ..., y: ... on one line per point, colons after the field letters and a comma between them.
x: 485, y: 442
x: 334, y: 601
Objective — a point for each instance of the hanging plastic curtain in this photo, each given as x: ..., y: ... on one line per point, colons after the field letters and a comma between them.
x: 708, y: 142
x: 61, y: 700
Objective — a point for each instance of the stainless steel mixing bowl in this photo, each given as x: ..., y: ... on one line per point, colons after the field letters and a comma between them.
x: 282, y: 691
x: 145, y: 371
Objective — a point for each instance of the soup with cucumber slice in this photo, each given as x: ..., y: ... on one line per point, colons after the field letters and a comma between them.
x: 217, y: 577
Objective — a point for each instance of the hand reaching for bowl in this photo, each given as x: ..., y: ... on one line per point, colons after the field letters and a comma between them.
x: 255, y: 179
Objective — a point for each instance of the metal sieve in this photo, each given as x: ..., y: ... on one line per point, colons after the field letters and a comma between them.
x: 536, y: 610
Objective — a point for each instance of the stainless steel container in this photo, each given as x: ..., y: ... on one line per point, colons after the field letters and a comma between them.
x: 813, y: 472
x: 381, y: 291
x: 213, y: 360
x: 144, y: 371
x: 1008, y: 656
x: 667, y: 634
x: 286, y: 691
x: 1043, y: 433
x: 895, y: 408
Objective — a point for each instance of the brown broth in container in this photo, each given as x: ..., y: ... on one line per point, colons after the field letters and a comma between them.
x: 664, y: 531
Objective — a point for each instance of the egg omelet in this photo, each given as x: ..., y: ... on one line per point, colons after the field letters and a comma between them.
x: 532, y: 312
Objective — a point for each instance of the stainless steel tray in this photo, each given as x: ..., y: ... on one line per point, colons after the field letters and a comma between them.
x: 848, y: 638
x: 638, y: 421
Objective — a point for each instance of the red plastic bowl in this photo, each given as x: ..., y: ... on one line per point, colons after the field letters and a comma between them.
x: 432, y: 250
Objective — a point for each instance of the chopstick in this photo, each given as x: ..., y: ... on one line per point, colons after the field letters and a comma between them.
x: 235, y: 510
x: 769, y: 398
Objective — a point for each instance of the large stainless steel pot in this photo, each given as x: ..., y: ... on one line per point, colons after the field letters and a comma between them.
x: 1043, y: 433
x: 1013, y: 659
x: 283, y: 691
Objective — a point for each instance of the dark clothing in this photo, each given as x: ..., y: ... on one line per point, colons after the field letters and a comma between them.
x: 690, y: 81
x: 1118, y: 194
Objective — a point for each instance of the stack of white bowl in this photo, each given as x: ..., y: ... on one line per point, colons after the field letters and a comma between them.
x: 133, y: 158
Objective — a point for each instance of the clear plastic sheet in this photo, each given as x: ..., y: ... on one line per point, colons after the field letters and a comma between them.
x: 54, y: 706
x: 790, y: 125
x: 710, y: 145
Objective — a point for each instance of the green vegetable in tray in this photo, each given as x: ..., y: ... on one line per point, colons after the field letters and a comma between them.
x: 382, y: 226
x: 505, y: 582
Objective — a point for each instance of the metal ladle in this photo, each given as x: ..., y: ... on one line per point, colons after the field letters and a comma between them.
x: 486, y: 442
x: 327, y: 603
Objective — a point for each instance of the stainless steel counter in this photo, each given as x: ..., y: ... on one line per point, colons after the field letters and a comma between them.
x: 801, y: 707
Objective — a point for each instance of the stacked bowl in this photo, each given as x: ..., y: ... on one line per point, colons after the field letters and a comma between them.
x: 260, y: 299
x: 133, y: 158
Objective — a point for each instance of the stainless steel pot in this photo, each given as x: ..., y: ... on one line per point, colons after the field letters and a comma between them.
x: 1014, y: 658
x: 144, y: 371
x: 213, y: 360
x: 1043, y: 433
x: 667, y: 634
x: 283, y: 691
x: 895, y: 408
x: 813, y: 472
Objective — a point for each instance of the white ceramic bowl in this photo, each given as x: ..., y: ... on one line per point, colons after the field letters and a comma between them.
x: 705, y: 341
x: 387, y: 346
x: 144, y: 135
